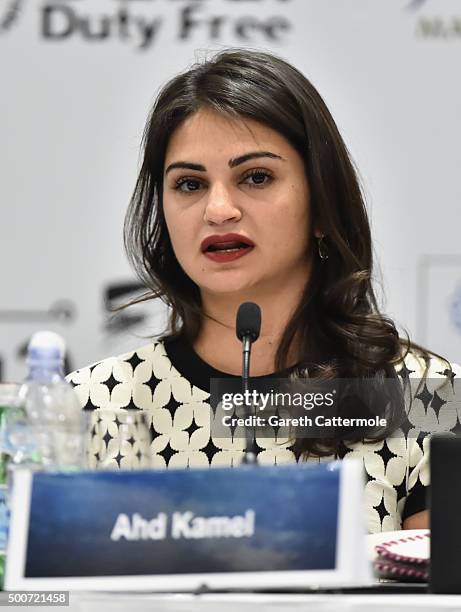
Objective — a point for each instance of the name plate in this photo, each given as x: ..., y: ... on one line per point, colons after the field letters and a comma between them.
x: 181, y: 530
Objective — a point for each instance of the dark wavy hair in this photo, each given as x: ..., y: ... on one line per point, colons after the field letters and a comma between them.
x: 341, y: 330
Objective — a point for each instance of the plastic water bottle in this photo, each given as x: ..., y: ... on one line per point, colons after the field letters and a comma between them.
x: 53, y: 411
x: 9, y: 404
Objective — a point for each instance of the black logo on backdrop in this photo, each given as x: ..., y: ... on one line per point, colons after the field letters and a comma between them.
x: 117, y: 294
x: 139, y: 23
x: 9, y: 13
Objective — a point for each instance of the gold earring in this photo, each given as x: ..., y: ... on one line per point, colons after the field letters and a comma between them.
x: 322, y: 248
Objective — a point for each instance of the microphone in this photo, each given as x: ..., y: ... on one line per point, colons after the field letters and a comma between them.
x: 248, y: 321
x: 248, y: 327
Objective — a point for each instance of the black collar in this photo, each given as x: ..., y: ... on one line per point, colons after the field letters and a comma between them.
x: 198, y: 372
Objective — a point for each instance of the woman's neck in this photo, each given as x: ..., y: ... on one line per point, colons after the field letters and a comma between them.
x: 218, y: 345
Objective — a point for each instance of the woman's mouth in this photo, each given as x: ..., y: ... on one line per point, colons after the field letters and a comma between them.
x: 226, y: 248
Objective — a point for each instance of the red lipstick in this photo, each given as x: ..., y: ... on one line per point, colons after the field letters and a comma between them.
x: 226, y: 247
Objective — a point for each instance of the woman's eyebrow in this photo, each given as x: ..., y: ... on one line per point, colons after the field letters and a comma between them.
x: 232, y: 162
x: 254, y: 155
x: 186, y: 165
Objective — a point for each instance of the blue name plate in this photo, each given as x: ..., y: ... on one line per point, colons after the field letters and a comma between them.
x: 182, y: 529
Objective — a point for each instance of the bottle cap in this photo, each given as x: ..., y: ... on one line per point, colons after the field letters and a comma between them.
x: 46, y: 344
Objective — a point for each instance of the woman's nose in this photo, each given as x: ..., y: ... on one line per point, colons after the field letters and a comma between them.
x: 220, y: 208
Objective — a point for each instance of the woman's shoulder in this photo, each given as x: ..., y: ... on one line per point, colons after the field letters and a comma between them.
x: 125, y: 364
x: 432, y: 387
x: 418, y: 363
x: 127, y: 380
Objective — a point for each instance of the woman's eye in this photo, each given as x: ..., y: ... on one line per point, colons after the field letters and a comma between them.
x: 258, y: 178
x: 191, y: 185
x: 255, y: 178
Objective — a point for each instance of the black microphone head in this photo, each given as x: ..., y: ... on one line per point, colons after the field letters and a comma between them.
x: 248, y: 321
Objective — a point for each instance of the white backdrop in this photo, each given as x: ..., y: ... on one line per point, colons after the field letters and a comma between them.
x: 77, y: 78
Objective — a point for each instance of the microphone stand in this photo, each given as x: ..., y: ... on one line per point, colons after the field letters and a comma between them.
x: 249, y: 457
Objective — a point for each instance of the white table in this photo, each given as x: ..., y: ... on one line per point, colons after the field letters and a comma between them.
x: 139, y: 602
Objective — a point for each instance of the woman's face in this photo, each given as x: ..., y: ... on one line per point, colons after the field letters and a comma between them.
x: 236, y: 204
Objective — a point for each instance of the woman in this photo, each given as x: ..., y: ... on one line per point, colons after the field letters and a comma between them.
x: 247, y: 193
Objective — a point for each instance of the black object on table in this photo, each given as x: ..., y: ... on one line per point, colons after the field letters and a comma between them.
x: 445, y: 514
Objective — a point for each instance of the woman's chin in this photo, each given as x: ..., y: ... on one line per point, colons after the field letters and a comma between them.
x: 228, y: 287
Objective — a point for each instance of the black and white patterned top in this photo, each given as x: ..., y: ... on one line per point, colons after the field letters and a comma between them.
x: 150, y: 408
